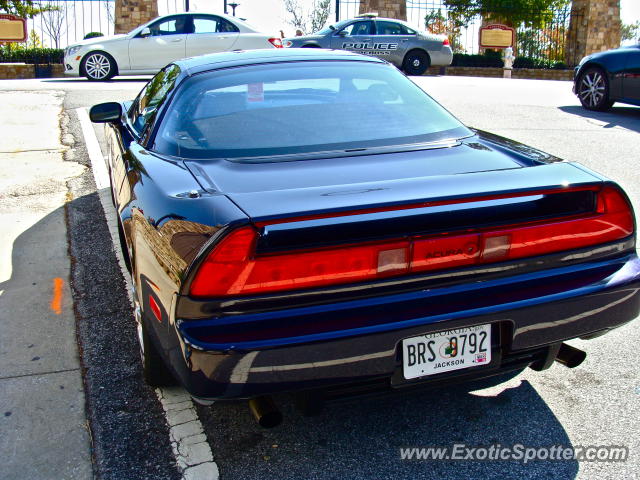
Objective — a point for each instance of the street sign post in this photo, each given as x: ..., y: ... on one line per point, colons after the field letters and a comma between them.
x: 497, y: 36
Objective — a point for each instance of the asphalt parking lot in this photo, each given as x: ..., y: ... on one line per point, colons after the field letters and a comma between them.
x: 595, y: 404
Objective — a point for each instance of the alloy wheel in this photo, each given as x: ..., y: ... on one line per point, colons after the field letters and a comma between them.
x: 592, y: 89
x: 97, y: 66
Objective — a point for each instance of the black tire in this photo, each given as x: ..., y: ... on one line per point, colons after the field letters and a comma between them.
x: 123, y: 248
x: 593, y: 90
x: 416, y: 62
x: 98, y: 66
x: 154, y: 370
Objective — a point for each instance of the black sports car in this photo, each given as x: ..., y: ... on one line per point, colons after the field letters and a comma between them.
x: 603, y: 78
x: 311, y: 221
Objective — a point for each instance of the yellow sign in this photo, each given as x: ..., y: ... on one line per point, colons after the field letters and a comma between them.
x: 497, y: 36
x: 12, y: 29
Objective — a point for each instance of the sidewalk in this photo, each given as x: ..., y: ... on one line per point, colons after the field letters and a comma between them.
x: 43, y: 434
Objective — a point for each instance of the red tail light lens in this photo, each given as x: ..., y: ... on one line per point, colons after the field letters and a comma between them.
x: 445, y: 42
x: 233, y: 267
x: 276, y: 42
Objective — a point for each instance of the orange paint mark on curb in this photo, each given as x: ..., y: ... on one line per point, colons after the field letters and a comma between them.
x: 56, y: 301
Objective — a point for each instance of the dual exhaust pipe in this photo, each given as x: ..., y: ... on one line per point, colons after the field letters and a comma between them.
x: 267, y: 414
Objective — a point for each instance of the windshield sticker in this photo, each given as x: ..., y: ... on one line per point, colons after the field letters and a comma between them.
x: 255, y: 92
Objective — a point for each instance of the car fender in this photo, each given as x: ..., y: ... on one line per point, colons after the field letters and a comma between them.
x: 117, y: 49
x: 613, y: 64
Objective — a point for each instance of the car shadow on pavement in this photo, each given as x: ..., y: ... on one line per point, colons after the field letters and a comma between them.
x: 123, y: 412
x: 362, y: 439
x: 618, y: 116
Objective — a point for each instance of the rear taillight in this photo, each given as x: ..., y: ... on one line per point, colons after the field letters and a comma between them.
x: 276, y: 42
x: 445, y: 42
x: 234, y: 268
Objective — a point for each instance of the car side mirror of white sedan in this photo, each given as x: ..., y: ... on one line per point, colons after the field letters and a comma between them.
x: 145, y: 32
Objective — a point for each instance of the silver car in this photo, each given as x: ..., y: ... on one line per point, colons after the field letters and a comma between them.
x: 387, y: 38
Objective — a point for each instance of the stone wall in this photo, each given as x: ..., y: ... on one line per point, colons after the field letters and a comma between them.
x: 595, y: 27
x: 131, y: 13
x: 530, y: 73
x: 385, y: 8
x: 9, y: 71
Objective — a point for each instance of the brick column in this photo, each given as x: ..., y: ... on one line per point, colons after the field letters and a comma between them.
x: 131, y: 13
x: 385, y: 8
x: 594, y: 27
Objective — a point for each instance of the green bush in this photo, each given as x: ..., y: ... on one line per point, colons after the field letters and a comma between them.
x: 531, y: 62
x: 31, y: 55
x: 526, y: 62
x: 93, y: 35
x: 491, y: 59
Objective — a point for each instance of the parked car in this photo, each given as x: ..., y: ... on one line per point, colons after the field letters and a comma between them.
x: 386, y: 38
x: 148, y: 48
x: 311, y: 221
x: 603, y: 78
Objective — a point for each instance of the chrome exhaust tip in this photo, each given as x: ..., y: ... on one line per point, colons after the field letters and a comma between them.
x: 570, y: 356
x: 265, y: 411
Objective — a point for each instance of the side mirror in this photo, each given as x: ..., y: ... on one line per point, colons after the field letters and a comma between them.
x: 106, y: 112
x: 343, y: 33
x: 145, y: 32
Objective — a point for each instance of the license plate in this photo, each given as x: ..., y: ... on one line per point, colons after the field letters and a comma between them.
x: 445, y: 351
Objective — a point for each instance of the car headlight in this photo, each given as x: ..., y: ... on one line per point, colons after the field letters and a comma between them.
x: 73, y: 49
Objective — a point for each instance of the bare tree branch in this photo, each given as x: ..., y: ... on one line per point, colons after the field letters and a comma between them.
x: 53, y: 20
x: 311, y: 21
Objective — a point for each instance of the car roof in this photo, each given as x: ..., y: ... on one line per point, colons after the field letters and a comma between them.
x: 214, y: 61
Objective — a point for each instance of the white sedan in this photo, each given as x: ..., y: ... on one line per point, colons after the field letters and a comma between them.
x: 151, y: 46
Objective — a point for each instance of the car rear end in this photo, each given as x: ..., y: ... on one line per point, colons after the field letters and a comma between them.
x: 379, y: 265
x: 438, y: 47
x: 373, y: 296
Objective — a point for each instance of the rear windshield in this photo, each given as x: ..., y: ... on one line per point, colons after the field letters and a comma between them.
x: 260, y: 113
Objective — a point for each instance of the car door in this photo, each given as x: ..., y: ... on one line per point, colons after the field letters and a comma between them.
x: 631, y: 78
x: 211, y: 34
x: 166, y: 43
x: 392, y: 40
x: 140, y: 118
x: 356, y: 36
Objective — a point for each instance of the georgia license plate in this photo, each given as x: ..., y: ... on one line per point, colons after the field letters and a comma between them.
x: 445, y: 351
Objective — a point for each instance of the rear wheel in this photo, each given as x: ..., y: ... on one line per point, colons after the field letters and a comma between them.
x: 99, y: 66
x: 416, y: 62
x: 154, y: 370
x: 593, y: 90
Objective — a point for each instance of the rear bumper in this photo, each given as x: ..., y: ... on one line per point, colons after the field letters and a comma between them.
x: 528, y: 314
x: 442, y: 58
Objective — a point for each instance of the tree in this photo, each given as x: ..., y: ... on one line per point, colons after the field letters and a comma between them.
x: 21, y: 8
x: 511, y: 12
x: 309, y: 21
x: 630, y: 31
x: 109, y: 6
x: 436, y: 22
x: 53, y: 20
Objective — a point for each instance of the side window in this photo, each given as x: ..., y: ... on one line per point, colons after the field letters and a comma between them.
x: 392, y: 28
x: 213, y: 25
x: 359, y: 28
x: 172, y: 26
x: 146, y: 105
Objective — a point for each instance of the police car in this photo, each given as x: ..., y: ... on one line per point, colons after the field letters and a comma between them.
x: 387, y: 38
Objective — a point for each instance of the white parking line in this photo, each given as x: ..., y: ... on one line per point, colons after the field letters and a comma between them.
x: 189, y: 443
